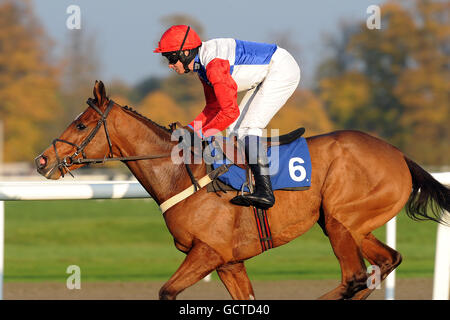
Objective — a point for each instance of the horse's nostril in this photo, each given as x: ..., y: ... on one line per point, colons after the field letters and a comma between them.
x: 41, y: 162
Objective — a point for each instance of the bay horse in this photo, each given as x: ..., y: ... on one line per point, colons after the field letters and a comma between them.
x: 359, y: 182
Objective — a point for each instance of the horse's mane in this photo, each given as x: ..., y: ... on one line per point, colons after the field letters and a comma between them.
x: 145, y: 118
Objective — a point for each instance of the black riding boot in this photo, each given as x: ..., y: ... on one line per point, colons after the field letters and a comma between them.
x: 256, y: 155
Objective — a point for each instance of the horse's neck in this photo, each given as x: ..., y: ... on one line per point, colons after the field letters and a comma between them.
x: 162, y: 178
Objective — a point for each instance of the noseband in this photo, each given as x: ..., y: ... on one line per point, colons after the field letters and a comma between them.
x: 68, y: 161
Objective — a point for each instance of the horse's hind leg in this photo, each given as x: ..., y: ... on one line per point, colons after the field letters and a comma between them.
x: 199, y: 262
x: 348, y: 252
x: 235, y: 279
x: 379, y: 254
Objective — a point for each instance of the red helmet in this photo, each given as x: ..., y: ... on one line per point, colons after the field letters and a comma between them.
x: 172, y: 39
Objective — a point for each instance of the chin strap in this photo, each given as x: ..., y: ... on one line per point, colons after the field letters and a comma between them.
x: 185, y: 60
x: 181, y: 55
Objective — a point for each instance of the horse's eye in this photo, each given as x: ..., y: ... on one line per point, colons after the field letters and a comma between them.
x: 81, y: 126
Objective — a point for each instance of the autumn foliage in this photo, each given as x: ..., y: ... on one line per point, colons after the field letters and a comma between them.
x: 29, y: 103
x: 393, y: 83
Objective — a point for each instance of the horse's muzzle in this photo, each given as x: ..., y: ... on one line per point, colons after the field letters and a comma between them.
x: 42, y: 166
x: 40, y: 162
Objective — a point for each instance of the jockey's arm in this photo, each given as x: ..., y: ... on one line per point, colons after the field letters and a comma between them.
x: 212, y: 107
x: 222, y: 112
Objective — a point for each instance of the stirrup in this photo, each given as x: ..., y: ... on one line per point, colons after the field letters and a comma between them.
x: 241, y: 199
x: 248, y: 187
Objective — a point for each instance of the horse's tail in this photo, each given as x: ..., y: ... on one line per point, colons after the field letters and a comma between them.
x: 428, y: 196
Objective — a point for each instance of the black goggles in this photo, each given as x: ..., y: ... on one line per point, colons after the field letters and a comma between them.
x: 172, y: 56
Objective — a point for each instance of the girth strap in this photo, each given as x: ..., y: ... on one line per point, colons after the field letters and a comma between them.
x: 262, y: 223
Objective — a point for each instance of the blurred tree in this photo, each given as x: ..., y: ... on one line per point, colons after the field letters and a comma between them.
x: 161, y: 108
x: 303, y: 109
x: 81, y: 67
x: 383, y: 55
x: 424, y: 88
x: 338, y: 59
x: 29, y: 102
x: 119, y: 92
x: 185, y: 90
x: 144, y: 87
x: 394, y: 82
x: 345, y: 96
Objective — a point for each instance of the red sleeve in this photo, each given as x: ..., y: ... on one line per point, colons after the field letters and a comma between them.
x: 225, y: 89
x: 212, y: 106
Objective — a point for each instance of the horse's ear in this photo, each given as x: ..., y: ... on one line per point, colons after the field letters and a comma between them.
x: 99, y: 92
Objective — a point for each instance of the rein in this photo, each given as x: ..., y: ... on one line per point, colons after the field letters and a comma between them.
x: 68, y: 161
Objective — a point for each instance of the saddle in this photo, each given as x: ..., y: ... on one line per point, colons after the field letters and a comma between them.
x: 285, y: 138
x: 233, y: 150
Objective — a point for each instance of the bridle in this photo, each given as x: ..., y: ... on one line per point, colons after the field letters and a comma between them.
x: 68, y: 161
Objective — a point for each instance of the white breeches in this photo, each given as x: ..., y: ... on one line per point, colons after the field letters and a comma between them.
x: 260, y: 104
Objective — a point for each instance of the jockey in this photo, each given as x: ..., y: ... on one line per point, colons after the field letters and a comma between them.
x: 225, y: 67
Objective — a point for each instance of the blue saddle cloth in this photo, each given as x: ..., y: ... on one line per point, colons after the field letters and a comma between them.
x: 289, y: 164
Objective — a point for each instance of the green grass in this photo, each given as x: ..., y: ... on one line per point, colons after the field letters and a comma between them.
x: 127, y: 240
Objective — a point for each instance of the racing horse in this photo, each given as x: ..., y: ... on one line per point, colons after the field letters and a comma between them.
x: 359, y: 182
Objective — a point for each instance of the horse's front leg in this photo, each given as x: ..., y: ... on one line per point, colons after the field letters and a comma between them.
x: 199, y: 262
x: 235, y: 278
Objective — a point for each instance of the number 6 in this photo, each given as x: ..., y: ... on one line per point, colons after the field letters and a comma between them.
x: 293, y: 168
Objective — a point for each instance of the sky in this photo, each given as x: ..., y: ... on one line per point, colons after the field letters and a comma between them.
x: 126, y: 32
